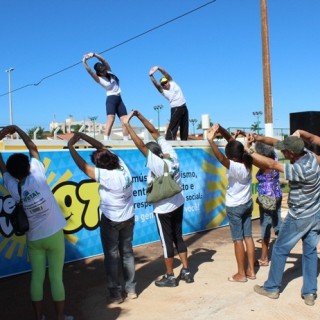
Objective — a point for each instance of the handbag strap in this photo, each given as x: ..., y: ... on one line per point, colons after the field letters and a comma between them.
x: 166, y: 168
x: 19, y: 191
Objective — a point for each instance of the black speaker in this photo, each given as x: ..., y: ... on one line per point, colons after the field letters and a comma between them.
x: 308, y: 121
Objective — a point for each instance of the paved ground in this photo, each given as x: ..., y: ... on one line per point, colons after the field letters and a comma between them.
x: 211, y: 296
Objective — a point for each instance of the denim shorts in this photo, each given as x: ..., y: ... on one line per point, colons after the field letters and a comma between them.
x: 270, y: 219
x: 240, y: 220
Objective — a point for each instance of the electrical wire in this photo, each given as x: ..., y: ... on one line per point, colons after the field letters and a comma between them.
x: 115, y: 46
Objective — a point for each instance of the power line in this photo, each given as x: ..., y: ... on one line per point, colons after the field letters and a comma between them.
x: 115, y: 46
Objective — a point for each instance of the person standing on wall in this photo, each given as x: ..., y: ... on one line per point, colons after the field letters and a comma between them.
x: 117, y: 215
x: 45, y: 238
x: 168, y: 212
x: 179, y: 112
x: 110, y: 82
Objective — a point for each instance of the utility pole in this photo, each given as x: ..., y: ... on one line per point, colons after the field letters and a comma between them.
x: 266, y: 70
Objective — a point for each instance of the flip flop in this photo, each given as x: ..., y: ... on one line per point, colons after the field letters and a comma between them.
x: 261, y: 263
x: 251, y: 277
x: 232, y: 279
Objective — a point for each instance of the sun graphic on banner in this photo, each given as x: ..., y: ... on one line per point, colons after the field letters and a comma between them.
x: 16, y: 245
x: 215, y: 185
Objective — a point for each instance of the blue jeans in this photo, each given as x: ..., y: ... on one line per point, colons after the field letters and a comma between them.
x: 240, y: 220
x: 116, y: 238
x: 270, y: 219
x: 292, y: 230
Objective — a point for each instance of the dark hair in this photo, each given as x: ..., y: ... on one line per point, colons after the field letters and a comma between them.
x: 18, y: 165
x: 155, y: 148
x: 265, y: 150
x: 105, y: 159
x: 99, y: 67
x: 235, y: 151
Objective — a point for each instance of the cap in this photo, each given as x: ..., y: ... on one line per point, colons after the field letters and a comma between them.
x: 291, y: 143
x: 99, y: 67
x: 163, y: 80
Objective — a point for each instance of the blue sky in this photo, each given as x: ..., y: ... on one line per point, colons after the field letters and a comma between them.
x: 213, y: 53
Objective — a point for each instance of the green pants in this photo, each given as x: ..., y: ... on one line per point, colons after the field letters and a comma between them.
x: 51, y: 249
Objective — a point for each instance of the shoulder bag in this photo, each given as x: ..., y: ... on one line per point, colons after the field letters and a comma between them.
x: 18, y: 217
x: 162, y: 187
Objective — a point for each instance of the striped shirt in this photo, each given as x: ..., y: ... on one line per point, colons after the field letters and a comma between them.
x: 304, y: 182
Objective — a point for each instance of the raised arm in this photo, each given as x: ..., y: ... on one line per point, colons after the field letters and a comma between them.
x: 224, y: 132
x: 211, y: 134
x: 3, y: 167
x: 87, y: 67
x: 153, y: 80
x: 90, y: 71
x: 267, y: 140
x: 80, y: 162
x: 103, y: 61
x: 259, y: 160
x: 165, y: 73
x: 307, y: 136
x: 33, y: 150
x: 135, y: 138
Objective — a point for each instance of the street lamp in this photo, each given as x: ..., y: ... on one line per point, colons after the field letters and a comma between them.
x: 193, y: 121
x: 10, y: 98
x: 158, y: 108
x: 93, y: 119
x: 257, y: 114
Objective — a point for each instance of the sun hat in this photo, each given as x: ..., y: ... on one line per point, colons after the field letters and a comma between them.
x: 163, y: 80
x: 290, y: 143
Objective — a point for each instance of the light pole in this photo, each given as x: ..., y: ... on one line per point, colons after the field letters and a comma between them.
x: 193, y: 121
x: 257, y: 114
x: 93, y: 119
x: 10, y: 98
x: 158, y: 108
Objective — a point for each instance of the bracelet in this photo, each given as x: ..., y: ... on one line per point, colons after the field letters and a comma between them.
x: 251, y: 150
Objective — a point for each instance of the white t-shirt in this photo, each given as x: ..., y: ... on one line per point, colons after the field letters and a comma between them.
x: 156, y: 165
x: 112, y: 87
x: 115, y: 190
x: 239, y: 184
x: 43, y: 212
x: 174, y: 95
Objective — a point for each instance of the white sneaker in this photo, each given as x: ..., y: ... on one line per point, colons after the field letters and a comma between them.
x: 132, y: 295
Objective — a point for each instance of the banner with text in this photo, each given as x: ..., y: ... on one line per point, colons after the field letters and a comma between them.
x: 204, y: 183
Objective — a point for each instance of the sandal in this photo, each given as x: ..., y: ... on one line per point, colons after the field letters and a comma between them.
x: 261, y: 263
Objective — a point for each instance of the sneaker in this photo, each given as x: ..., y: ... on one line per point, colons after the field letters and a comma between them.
x: 309, y: 298
x: 167, y: 281
x: 186, y: 276
x: 132, y: 295
x: 116, y: 299
x: 270, y: 294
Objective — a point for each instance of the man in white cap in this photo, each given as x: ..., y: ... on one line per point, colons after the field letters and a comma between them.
x: 179, y: 112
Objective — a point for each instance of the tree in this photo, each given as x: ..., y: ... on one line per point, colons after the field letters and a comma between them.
x: 39, y: 135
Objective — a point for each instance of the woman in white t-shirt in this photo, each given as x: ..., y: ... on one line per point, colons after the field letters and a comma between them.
x: 45, y: 238
x: 239, y: 203
x: 168, y: 212
x: 117, y: 215
x: 110, y: 82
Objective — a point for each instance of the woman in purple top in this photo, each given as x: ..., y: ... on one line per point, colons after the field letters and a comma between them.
x: 268, y: 184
